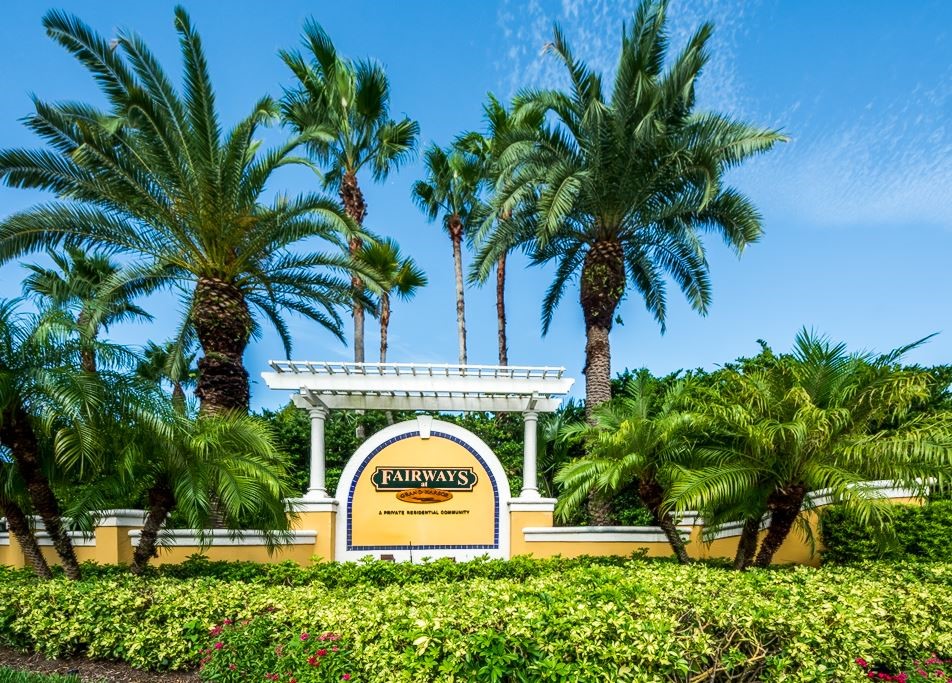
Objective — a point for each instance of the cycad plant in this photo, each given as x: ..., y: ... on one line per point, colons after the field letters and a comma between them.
x: 451, y: 191
x: 348, y: 104
x: 636, y: 438
x: 397, y: 275
x: 91, y: 287
x: 817, y: 418
x: 153, y: 175
x: 622, y: 185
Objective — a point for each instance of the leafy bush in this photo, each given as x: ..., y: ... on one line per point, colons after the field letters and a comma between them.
x: 931, y: 669
x: 919, y: 532
x: 564, y: 620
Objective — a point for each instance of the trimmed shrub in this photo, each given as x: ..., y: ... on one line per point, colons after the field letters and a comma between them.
x: 640, y: 620
x: 919, y: 532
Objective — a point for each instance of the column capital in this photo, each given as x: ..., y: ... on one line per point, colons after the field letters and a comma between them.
x: 530, y: 415
x: 318, y: 412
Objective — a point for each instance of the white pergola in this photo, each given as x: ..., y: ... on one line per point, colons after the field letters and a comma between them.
x: 323, y: 386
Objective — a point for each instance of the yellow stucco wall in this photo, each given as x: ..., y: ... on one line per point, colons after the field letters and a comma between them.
x: 113, y: 544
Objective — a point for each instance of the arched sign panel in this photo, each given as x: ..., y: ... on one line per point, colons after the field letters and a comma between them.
x: 423, y: 488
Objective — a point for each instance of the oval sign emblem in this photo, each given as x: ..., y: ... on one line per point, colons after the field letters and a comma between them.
x: 424, y: 496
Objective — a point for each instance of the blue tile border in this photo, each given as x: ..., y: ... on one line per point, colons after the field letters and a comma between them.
x: 401, y: 437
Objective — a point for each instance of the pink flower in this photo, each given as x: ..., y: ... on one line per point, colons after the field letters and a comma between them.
x: 232, y: 667
x: 305, y: 636
x: 322, y: 652
x: 219, y: 645
x: 215, y: 630
x: 345, y: 677
x: 861, y: 662
x: 228, y: 622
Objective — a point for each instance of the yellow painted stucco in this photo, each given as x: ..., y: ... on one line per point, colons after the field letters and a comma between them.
x: 380, y: 518
x: 302, y: 554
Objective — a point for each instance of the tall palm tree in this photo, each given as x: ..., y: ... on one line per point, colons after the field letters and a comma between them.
x: 622, y: 186
x: 170, y: 362
x: 452, y: 187
x: 635, y: 438
x: 92, y: 288
x: 397, y: 275
x: 154, y: 176
x: 488, y: 147
x: 818, y: 418
x: 349, y: 103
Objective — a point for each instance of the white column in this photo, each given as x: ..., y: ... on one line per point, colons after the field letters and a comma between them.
x: 317, y: 487
x: 530, y: 481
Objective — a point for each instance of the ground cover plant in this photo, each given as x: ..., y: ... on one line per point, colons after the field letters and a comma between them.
x: 13, y: 676
x: 569, y: 620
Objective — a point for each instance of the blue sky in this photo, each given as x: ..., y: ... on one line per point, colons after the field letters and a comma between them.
x: 857, y: 207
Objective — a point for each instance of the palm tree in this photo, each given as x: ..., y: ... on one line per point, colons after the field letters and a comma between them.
x: 171, y: 362
x: 202, y: 468
x: 13, y: 499
x: 50, y: 412
x: 92, y: 288
x: 153, y: 176
x: 397, y: 275
x: 621, y: 187
x: 349, y: 103
x: 635, y: 438
x: 488, y: 148
x: 818, y: 418
x: 452, y: 187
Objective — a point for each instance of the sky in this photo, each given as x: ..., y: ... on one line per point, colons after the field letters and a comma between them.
x: 857, y: 206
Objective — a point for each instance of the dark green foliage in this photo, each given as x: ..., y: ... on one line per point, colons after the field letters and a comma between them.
x: 918, y: 532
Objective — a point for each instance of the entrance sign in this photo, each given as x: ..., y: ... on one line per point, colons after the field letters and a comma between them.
x: 423, y: 488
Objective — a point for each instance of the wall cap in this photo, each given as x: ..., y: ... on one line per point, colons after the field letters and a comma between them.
x: 532, y: 504
x: 306, y: 505
x: 79, y: 538
x: 121, y: 517
x: 598, y: 534
x: 175, y: 538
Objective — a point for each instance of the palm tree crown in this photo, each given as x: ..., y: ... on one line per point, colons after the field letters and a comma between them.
x: 620, y: 187
x: 92, y: 288
x: 155, y: 176
x: 452, y: 187
x: 349, y: 104
x: 397, y: 275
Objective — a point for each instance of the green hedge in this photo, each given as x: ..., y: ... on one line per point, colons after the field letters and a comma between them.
x: 568, y: 621
x: 14, y: 676
x: 919, y: 533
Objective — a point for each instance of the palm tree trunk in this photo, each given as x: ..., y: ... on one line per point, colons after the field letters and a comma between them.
x: 784, y: 509
x: 602, y: 287
x: 87, y: 354
x: 17, y: 434
x: 19, y: 526
x: 747, y: 544
x: 652, y: 495
x: 352, y: 198
x: 161, y: 502
x: 501, y: 309
x: 601, y: 512
x: 456, y: 235
x: 223, y: 325
x: 384, y: 325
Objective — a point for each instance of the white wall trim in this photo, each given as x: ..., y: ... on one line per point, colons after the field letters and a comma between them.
x: 306, y: 505
x: 184, y: 538
x: 127, y: 517
x: 599, y: 534
x: 79, y: 539
x: 4, y: 538
x: 532, y: 505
